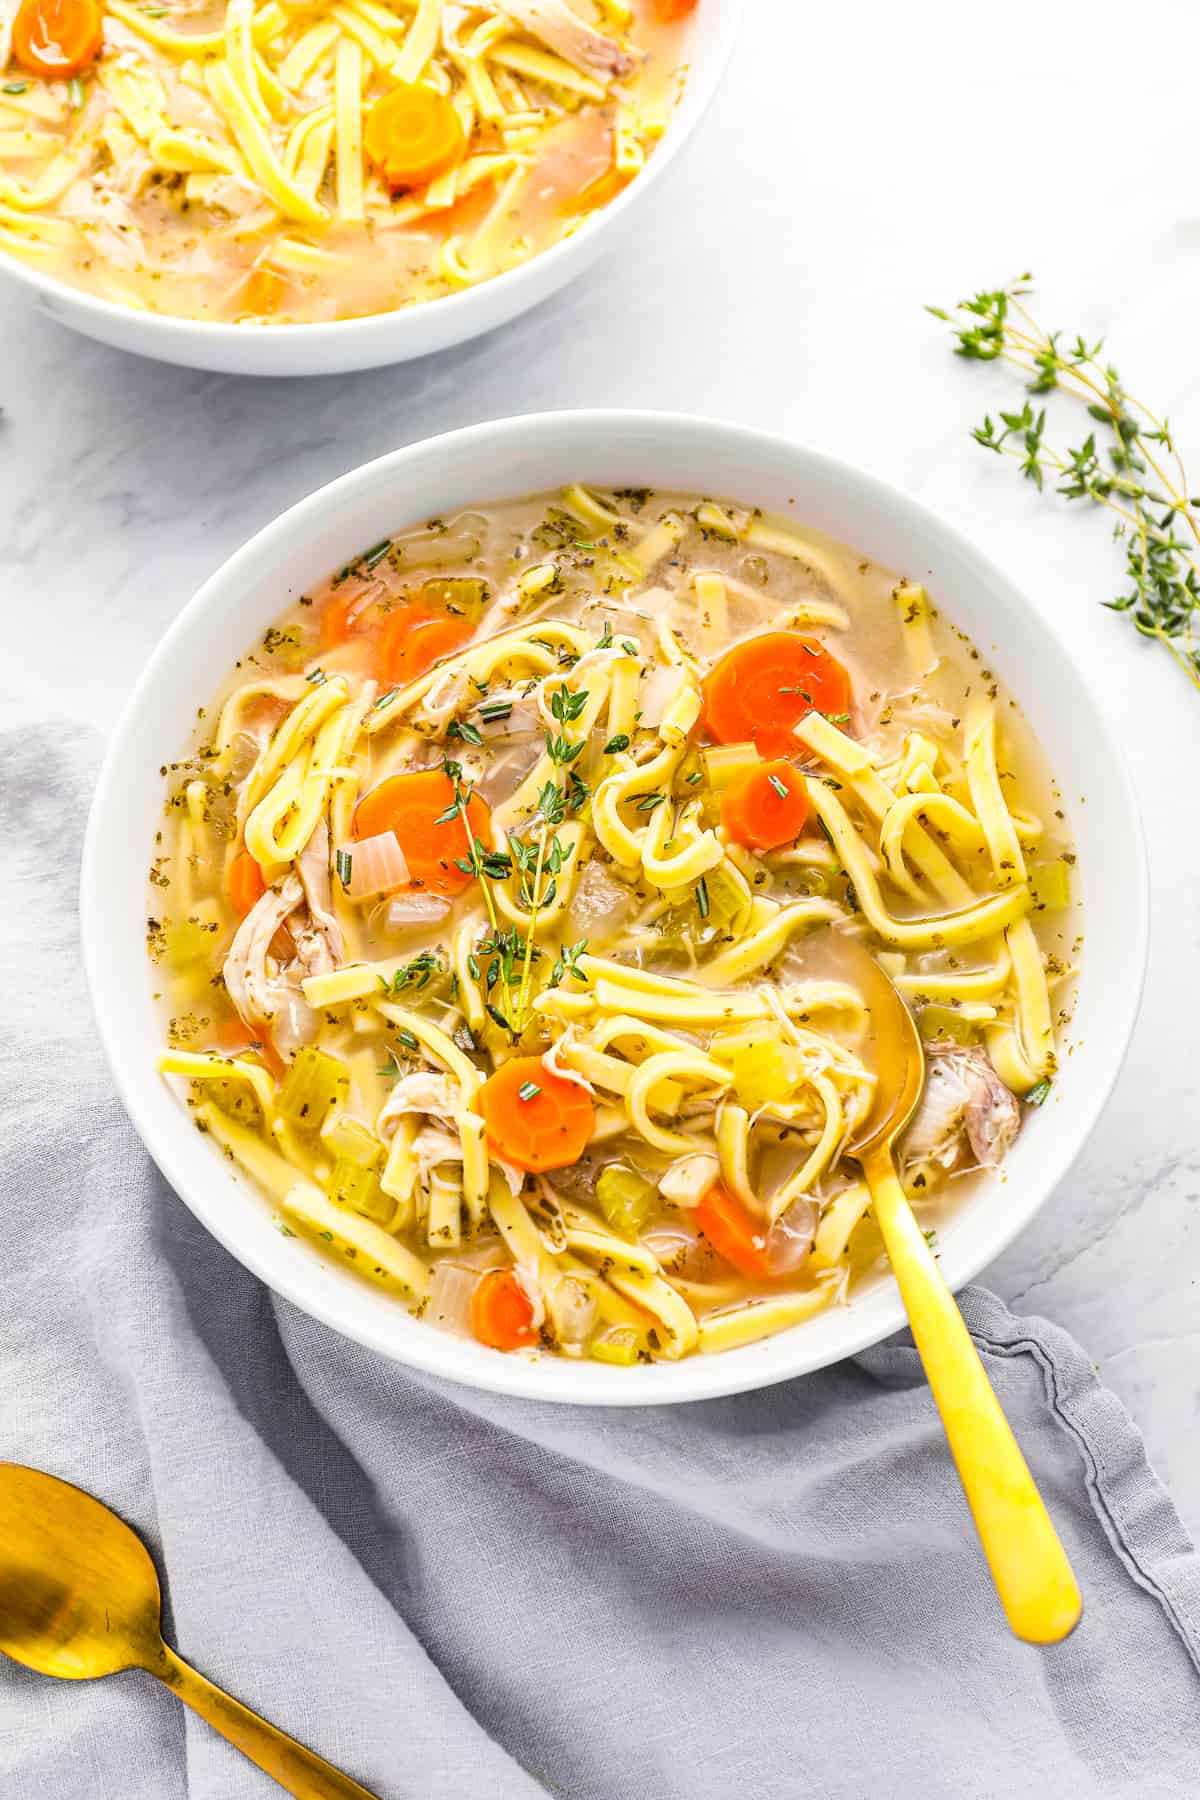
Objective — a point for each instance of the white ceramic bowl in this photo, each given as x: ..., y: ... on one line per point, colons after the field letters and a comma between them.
x: 394, y: 337
x: 629, y: 449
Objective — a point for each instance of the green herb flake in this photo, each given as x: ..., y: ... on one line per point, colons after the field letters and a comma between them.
x: 344, y: 863
x: 528, y: 1090
x: 1037, y: 1094
x: 779, y: 786
x: 618, y: 742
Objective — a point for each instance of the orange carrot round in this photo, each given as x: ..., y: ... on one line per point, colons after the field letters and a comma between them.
x: 535, y: 1118
x: 264, y: 290
x: 765, y: 807
x: 57, y: 38
x: 669, y: 12
x: 502, y: 1312
x: 414, y: 807
x: 762, y: 688
x: 414, y: 639
x: 412, y: 134
x: 733, y: 1232
x: 244, y: 883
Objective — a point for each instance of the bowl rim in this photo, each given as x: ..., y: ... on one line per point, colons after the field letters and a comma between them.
x: 485, y: 298
x: 664, y: 1382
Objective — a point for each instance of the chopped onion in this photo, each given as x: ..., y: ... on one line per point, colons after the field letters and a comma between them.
x: 377, y: 866
x: 689, y: 1178
x: 658, y: 690
x: 679, y: 1249
x: 416, y: 909
x: 790, y: 1239
x: 450, y: 1291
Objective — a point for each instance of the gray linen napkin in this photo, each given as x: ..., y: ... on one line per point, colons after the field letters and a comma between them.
x: 449, y: 1593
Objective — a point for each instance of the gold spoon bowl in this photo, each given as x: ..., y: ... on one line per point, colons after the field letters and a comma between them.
x: 79, y: 1598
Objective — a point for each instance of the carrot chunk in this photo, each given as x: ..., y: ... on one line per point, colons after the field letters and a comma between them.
x: 414, y: 639
x: 57, y: 38
x: 421, y: 809
x: 535, y: 1118
x: 733, y: 1232
x: 245, y: 883
x: 264, y: 290
x: 765, y: 807
x: 762, y: 688
x: 502, y: 1312
x: 412, y: 134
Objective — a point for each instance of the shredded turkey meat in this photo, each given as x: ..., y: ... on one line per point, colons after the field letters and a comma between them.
x: 964, y: 1100
x: 319, y: 942
x: 269, y: 999
x: 563, y: 31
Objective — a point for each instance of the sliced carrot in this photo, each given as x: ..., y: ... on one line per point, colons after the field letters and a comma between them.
x: 598, y: 193
x: 733, y: 1232
x: 415, y: 807
x: 264, y: 290
x: 762, y: 688
x: 244, y: 883
x: 235, y: 1037
x: 765, y: 807
x: 502, y: 1312
x: 339, y: 620
x: 669, y: 12
x: 414, y: 639
x: 412, y: 134
x: 535, y: 1118
x: 57, y: 38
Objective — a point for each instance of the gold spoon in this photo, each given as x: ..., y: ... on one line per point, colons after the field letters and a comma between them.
x: 1033, y: 1578
x: 79, y: 1598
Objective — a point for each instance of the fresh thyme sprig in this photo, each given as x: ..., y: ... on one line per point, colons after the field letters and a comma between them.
x: 1130, y: 465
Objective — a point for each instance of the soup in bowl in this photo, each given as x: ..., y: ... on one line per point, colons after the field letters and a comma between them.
x: 278, y: 166
x: 501, y: 927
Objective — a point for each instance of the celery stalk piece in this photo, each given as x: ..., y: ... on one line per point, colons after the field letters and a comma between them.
x: 314, y: 1084
x: 618, y: 1345
x: 625, y: 1198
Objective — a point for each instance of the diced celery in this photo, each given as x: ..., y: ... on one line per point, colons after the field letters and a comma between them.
x: 237, y: 1099
x: 358, y: 1188
x: 723, y: 763
x: 625, y: 1198
x: 729, y: 899
x: 618, y: 1345
x: 808, y: 881
x: 314, y: 1084
x: 465, y: 594
x: 766, y: 1072
x: 350, y: 1140
x: 289, y: 648
x: 188, y: 941
x: 1051, y: 884
x: 944, y: 1022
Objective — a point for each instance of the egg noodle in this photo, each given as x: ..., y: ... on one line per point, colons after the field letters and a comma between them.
x: 506, y: 963
x: 305, y: 160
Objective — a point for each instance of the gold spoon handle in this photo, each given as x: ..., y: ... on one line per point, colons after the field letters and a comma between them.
x: 300, y: 1771
x: 1033, y: 1578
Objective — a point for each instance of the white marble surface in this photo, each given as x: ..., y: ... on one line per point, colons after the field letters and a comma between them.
x: 892, y: 156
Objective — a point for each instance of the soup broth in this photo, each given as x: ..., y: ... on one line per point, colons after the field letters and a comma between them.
x: 501, y: 910
x: 242, y: 162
